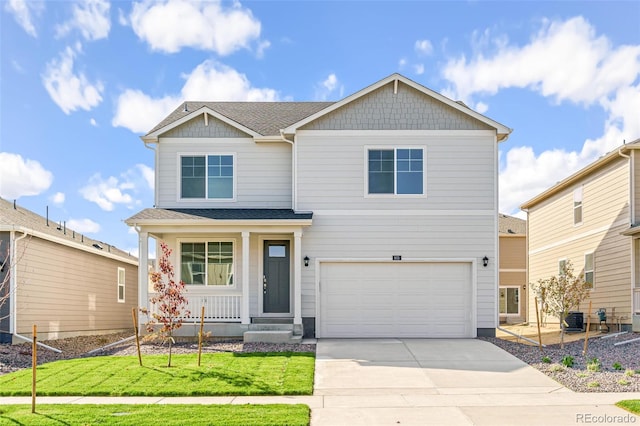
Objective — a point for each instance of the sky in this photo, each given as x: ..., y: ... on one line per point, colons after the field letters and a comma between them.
x: 81, y: 81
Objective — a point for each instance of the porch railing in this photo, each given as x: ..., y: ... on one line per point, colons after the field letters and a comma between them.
x: 636, y: 300
x: 218, y: 308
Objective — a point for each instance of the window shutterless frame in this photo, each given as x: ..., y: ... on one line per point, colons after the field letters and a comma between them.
x: 198, y: 266
x: 577, y: 206
x: 394, y: 169
x: 206, y: 176
x: 121, y: 285
x: 590, y: 269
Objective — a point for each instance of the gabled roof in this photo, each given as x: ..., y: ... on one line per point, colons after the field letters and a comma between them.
x: 509, y: 225
x: 192, y: 216
x: 502, y: 130
x: 269, y: 118
x: 580, y: 174
x: 16, y: 218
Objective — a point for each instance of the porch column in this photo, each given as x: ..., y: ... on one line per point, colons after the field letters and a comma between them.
x: 244, y: 312
x: 143, y: 273
x: 297, y: 277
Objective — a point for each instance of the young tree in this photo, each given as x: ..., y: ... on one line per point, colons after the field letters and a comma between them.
x: 561, y: 294
x: 169, y: 301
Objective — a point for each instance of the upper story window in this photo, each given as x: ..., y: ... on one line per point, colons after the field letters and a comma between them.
x: 562, y: 267
x: 207, y: 263
x: 207, y: 176
x: 577, y: 206
x: 589, y: 269
x: 396, y: 171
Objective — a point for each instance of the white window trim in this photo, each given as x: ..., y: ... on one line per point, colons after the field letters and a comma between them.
x: 592, y: 253
x: 395, y: 148
x: 517, y: 287
x: 121, y: 284
x: 206, y: 180
x: 579, y: 189
x: 234, y: 250
x: 562, y: 259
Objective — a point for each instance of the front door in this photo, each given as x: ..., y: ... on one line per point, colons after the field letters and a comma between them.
x: 275, y: 282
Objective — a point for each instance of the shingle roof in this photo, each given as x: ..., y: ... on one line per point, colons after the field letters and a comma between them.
x: 21, y: 217
x: 511, y: 225
x: 218, y: 214
x: 265, y: 118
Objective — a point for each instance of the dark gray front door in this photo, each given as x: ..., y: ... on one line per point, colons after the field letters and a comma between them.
x: 275, y: 283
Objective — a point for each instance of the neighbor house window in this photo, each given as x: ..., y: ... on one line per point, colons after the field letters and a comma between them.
x: 121, y: 279
x: 562, y: 267
x: 577, y: 206
x: 510, y: 300
x: 207, y: 176
x: 207, y: 263
x: 588, y: 269
x: 397, y: 171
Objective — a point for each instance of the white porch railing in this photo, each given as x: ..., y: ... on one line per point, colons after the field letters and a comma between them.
x: 636, y: 300
x: 218, y: 308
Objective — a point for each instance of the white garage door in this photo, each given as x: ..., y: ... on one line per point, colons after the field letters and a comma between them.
x: 395, y: 300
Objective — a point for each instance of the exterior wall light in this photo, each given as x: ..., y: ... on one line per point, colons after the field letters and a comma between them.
x: 485, y: 261
x: 306, y: 261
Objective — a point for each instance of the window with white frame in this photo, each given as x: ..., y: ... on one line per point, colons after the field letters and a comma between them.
x: 510, y: 300
x: 121, y: 284
x: 397, y: 171
x: 207, y: 176
x: 577, y: 206
x: 589, y: 269
x: 207, y: 263
x: 562, y: 267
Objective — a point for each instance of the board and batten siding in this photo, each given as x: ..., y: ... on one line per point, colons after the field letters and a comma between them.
x: 412, y: 237
x: 263, y: 172
x: 67, y: 292
x: 605, y: 212
x: 332, y: 168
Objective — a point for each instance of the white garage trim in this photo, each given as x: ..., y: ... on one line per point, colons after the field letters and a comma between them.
x: 473, y: 262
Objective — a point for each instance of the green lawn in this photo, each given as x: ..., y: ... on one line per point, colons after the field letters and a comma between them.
x: 632, y: 405
x: 221, y: 374
x: 165, y: 415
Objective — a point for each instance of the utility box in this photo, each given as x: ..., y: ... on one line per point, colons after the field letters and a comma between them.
x: 575, y: 321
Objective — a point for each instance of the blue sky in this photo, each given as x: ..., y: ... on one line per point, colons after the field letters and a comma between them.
x: 81, y: 81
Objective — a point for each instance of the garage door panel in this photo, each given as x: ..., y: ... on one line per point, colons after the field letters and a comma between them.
x: 395, y: 300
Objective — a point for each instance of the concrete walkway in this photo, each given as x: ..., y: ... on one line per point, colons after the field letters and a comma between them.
x: 419, y: 382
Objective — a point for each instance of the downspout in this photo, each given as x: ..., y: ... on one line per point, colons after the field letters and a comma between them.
x: 631, y: 186
x: 293, y: 170
x: 632, y: 219
x: 13, y: 286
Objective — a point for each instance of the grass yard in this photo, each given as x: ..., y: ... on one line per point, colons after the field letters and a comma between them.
x: 166, y: 415
x: 632, y: 405
x: 220, y: 374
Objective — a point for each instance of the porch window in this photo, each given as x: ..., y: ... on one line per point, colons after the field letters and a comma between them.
x: 589, y: 269
x: 207, y: 263
x: 207, y: 176
x: 510, y: 300
x: 398, y: 171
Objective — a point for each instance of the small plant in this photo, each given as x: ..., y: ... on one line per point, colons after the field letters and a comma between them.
x: 546, y: 360
x: 593, y: 384
x: 557, y: 367
x: 630, y: 372
x: 593, y: 364
x: 567, y: 361
x: 582, y: 374
x: 623, y: 382
x: 617, y: 366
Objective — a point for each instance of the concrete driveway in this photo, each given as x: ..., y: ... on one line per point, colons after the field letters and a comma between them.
x: 443, y: 382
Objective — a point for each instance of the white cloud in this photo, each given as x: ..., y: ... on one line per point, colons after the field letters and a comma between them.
x: 108, y: 193
x: 58, y: 198
x: 402, y: 63
x: 148, y: 174
x: 21, y: 177
x: 170, y: 25
x: 93, y: 122
x: 481, y: 107
x: 423, y: 47
x: 69, y: 90
x: 84, y: 226
x: 22, y: 12
x: 90, y: 17
x: 329, y: 87
x: 210, y: 81
x: 418, y: 69
x: 566, y: 61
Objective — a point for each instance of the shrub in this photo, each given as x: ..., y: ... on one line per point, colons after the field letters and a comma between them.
x: 623, y: 382
x: 593, y: 384
x: 593, y: 364
x: 567, y: 361
x: 630, y: 372
x: 617, y: 366
x: 557, y: 367
x: 546, y: 360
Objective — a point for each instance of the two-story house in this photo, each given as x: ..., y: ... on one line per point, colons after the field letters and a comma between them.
x: 591, y: 220
x: 373, y: 216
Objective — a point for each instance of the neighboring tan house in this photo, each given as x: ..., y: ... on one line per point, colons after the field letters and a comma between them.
x: 591, y: 219
x: 61, y: 281
x: 367, y: 217
x: 512, y: 297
